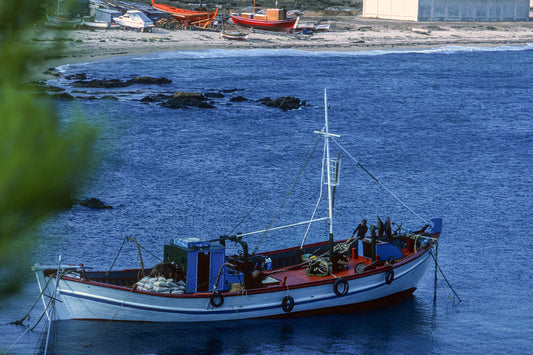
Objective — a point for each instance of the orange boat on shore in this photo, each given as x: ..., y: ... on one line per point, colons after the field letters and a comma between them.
x: 202, y: 18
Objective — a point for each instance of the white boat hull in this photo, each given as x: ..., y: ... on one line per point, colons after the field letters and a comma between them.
x: 82, y: 300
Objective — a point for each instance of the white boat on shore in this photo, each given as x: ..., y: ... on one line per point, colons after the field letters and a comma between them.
x: 100, y: 25
x: 134, y: 19
x: 198, y: 282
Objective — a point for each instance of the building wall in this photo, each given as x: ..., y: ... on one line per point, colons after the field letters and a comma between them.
x: 391, y: 9
x: 448, y: 10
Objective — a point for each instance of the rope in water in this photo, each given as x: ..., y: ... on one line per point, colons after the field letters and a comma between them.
x: 445, y: 279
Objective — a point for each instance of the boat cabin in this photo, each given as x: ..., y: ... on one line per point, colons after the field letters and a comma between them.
x: 200, y: 260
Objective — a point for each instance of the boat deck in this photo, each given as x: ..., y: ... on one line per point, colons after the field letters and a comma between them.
x: 294, y: 276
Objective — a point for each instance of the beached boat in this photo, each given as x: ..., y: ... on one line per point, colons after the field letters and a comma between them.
x: 234, y: 35
x: 265, y: 19
x: 199, y: 18
x: 134, y: 19
x: 100, y: 25
x: 62, y: 22
x: 198, y: 282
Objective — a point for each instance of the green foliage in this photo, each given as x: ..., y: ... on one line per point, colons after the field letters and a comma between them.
x: 40, y: 161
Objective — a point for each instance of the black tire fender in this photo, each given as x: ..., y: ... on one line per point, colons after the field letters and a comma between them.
x: 389, y: 276
x: 287, y: 304
x: 345, y: 287
x: 216, y: 299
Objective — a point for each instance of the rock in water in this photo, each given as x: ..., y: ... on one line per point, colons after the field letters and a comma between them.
x: 285, y: 103
x: 187, y: 99
x: 94, y: 203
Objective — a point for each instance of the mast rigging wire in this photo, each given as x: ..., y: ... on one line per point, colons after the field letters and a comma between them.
x: 287, y: 194
x: 268, y: 192
x: 379, y: 182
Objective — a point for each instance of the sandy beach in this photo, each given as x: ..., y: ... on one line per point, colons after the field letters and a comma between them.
x: 348, y: 33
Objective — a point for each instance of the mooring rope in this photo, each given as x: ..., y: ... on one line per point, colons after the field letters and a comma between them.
x: 445, y: 279
x: 379, y: 182
x: 19, y: 322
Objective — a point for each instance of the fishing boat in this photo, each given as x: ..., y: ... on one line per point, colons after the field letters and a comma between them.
x: 200, y: 281
x: 199, y: 18
x: 134, y: 19
x: 265, y: 19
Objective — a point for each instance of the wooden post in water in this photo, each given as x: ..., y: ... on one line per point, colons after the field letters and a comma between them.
x: 435, y: 283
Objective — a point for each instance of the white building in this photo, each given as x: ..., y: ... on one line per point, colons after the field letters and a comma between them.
x: 448, y: 10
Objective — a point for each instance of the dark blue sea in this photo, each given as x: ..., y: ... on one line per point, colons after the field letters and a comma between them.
x: 449, y: 131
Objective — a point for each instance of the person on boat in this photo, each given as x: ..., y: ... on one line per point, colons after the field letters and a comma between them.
x: 360, y: 230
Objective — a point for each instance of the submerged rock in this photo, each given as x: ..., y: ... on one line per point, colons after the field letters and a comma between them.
x: 52, y: 71
x: 156, y: 98
x: 148, y: 80
x: 285, y: 103
x: 63, y: 96
x: 94, y: 203
x: 42, y: 87
x: 109, y: 97
x: 238, y: 99
x: 229, y: 91
x: 216, y: 95
x: 104, y: 83
x: 79, y: 76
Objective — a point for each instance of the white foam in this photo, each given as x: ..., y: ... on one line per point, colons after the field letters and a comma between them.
x: 251, y: 53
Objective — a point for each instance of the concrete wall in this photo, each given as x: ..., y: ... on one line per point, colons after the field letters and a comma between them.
x: 448, y: 10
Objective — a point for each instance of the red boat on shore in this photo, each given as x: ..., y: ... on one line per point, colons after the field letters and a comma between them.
x: 266, y: 19
x: 202, y: 18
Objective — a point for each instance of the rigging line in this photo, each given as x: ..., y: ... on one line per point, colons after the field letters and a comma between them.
x: 283, y: 227
x: 272, y: 188
x: 149, y: 252
x: 319, y: 198
x: 116, y: 257
x: 445, y: 279
x: 287, y: 195
x: 379, y: 182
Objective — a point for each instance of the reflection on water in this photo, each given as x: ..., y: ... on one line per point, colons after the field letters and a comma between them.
x: 340, y: 333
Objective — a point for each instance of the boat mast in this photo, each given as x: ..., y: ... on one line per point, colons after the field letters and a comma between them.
x: 327, y: 135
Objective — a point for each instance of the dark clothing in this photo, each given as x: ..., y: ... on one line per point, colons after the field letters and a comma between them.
x: 361, y: 231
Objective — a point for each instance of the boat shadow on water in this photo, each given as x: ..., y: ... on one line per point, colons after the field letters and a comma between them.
x: 325, y: 333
